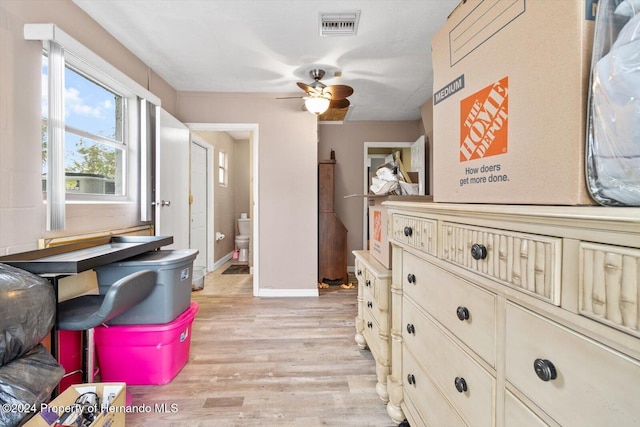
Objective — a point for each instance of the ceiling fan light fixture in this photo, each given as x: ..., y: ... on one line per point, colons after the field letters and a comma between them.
x: 316, y: 104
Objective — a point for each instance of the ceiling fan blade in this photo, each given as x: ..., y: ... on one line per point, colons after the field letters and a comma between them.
x: 339, y: 103
x: 290, y: 97
x: 305, y: 87
x: 339, y: 91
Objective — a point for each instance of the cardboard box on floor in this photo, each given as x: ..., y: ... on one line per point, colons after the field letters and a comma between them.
x: 65, y: 402
x: 510, y: 97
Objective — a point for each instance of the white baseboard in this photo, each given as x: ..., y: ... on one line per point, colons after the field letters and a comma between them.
x: 222, y: 261
x: 288, y: 293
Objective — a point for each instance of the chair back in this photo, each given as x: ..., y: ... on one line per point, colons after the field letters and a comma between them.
x: 126, y: 293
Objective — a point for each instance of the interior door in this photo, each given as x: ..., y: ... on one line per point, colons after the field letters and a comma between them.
x: 172, y: 181
x: 199, y: 203
x: 419, y: 163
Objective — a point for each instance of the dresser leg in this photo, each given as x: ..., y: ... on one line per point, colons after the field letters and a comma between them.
x: 381, y: 386
x: 395, y: 412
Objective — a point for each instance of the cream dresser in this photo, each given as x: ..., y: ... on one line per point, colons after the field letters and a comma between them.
x: 514, y: 315
x: 373, y: 324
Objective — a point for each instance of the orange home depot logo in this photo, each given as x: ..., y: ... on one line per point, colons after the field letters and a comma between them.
x: 377, y: 226
x: 484, y: 117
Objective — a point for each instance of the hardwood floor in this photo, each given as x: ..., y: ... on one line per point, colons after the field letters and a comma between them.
x: 268, y: 362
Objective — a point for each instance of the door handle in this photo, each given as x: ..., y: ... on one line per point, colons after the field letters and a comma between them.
x: 161, y: 203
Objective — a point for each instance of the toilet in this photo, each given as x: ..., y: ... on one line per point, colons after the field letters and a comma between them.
x: 242, y: 239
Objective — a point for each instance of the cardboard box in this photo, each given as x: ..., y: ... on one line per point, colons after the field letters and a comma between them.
x: 510, y: 98
x: 379, y: 246
x: 112, y: 414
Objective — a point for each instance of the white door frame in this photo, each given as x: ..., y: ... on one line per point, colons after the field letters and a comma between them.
x: 195, y: 139
x: 255, y: 244
x: 365, y: 203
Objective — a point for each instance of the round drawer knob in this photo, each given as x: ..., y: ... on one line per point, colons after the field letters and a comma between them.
x: 462, y: 313
x: 369, y: 304
x: 411, y: 379
x: 545, y: 369
x: 408, y: 231
x: 411, y: 278
x: 359, y: 273
x: 367, y: 282
x: 478, y: 251
x: 411, y: 329
x: 461, y: 384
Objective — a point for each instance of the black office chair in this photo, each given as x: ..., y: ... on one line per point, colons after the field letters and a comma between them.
x: 88, y: 311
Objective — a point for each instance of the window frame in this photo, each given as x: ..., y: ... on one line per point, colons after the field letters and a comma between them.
x: 129, y: 118
x: 140, y: 182
x: 223, y: 169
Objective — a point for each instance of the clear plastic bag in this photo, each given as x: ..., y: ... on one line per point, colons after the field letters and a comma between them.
x: 613, y: 131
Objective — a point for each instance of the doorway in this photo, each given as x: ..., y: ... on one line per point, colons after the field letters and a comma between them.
x: 201, y: 202
x: 252, y: 130
x: 374, y: 154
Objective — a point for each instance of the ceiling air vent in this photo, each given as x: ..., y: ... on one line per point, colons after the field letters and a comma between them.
x: 339, y: 23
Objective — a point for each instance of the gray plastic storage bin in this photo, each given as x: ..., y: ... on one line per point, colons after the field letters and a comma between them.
x: 172, y: 293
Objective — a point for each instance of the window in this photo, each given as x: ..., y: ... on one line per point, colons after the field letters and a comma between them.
x: 94, y: 118
x: 94, y: 135
x: 223, y: 169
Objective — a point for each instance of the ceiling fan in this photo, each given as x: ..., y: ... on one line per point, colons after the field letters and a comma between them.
x: 321, y: 97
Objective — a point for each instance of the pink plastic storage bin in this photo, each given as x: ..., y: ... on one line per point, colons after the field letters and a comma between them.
x: 145, y: 354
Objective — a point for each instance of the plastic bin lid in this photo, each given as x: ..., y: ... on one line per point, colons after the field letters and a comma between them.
x: 161, y: 257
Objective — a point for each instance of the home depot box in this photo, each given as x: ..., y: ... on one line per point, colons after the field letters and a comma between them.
x: 109, y: 410
x: 510, y: 97
x: 379, y: 246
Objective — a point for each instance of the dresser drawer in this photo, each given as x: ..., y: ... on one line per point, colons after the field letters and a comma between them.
x: 609, y: 288
x: 593, y: 385
x: 419, y: 233
x: 371, y: 333
x: 465, y: 309
x: 373, y: 276
x: 518, y: 414
x: 370, y: 304
x: 424, y: 399
x: 372, y: 310
x: 448, y: 364
x: 527, y: 262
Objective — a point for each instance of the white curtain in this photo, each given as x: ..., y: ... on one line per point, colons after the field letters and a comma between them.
x: 55, y: 139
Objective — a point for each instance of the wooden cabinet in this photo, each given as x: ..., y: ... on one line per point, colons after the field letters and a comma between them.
x: 373, y: 322
x: 513, y: 315
x: 332, y: 234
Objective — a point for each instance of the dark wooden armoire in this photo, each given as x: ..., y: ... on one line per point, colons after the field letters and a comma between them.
x: 332, y: 234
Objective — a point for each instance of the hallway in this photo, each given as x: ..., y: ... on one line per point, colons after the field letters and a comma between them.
x: 268, y: 362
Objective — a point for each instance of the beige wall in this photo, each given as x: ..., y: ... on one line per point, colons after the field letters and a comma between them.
x: 224, y: 197
x: 287, y: 179
x: 22, y: 210
x: 242, y: 177
x: 287, y: 195
x: 229, y: 201
x: 289, y: 145
x: 347, y: 141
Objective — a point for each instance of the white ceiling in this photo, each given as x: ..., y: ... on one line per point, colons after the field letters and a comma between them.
x: 269, y: 45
